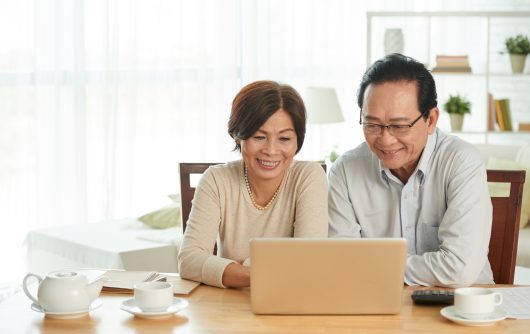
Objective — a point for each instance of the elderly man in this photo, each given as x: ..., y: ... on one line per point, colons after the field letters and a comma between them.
x: 409, y: 179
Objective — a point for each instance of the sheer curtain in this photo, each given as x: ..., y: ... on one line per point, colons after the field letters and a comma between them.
x: 100, y: 100
x: 309, y: 43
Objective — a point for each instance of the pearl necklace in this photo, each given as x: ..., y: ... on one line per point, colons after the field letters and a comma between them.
x: 256, y: 205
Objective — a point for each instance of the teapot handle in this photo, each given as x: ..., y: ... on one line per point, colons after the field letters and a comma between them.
x: 25, y: 286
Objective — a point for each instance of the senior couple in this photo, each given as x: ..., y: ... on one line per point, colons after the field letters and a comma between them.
x: 408, y: 179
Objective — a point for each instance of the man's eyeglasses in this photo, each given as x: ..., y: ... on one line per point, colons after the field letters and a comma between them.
x: 396, y: 130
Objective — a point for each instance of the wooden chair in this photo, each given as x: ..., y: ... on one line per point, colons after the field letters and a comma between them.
x: 187, y: 191
x: 505, y: 227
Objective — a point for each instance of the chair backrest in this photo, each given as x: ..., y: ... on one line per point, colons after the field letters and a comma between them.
x: 187, y: 191
x: 505, y: 227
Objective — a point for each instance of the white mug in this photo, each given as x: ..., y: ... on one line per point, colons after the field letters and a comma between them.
x: 153, y: 296
x: 476, y: 303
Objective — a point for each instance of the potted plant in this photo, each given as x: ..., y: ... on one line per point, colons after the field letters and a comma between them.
x: 457, y: 106
x: 518, y: 47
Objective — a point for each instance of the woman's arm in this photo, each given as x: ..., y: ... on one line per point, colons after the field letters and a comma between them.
x: 311, y: 218
x: 196, y: 259
x: 236, y: 276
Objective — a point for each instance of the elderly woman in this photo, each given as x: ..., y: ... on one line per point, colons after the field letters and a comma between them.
x: 266, y: 194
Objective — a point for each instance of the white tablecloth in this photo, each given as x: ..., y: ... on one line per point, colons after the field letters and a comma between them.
x: 122, y: 244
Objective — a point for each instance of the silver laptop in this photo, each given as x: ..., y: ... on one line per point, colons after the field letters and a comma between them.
x: 327, y: 276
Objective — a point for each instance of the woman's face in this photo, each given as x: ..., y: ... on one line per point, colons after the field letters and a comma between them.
x: 269, y: 151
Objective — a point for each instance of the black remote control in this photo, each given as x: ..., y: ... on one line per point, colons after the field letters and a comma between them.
x: 433, y: 297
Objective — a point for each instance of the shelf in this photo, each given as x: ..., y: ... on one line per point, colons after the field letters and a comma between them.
x: 509, y: 133
x: 520, y: 75
x: 480, y: 74
x: 478, y: 34
x: 513, y: 133
x: 449, y: 14
x: 464, y: 74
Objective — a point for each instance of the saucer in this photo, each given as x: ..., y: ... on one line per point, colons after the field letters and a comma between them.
x: 449, y: 312
x: 67, y: 315
x: 130, y: 306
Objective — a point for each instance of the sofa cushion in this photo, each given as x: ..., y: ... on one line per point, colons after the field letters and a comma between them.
x: 523, y: 157
x: 503, y: 190
x: 168, y: 216
x: 506, y: 152
x: 523, y: 248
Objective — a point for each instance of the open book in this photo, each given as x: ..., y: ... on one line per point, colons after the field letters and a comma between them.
x: 123, y: 281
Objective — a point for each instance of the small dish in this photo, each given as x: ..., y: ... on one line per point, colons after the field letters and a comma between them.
x: 449, y: 312
x: 130, y: 306
x: 67, y: 315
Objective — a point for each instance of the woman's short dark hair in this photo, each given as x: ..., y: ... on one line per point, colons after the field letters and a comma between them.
x: 395, y: 68
x: 258, y: 101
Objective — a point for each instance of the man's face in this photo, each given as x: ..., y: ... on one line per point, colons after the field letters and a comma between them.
x: 397, y: 103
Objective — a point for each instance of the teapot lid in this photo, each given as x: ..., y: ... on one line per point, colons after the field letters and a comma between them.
x: 63, y: 274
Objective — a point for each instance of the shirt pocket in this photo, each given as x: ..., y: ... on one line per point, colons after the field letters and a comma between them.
x: 427, y: 237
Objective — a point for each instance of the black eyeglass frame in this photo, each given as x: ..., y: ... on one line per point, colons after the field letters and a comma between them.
x: 390, y: 126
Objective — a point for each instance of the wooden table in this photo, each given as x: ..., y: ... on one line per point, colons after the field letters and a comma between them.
x: 214, y: 310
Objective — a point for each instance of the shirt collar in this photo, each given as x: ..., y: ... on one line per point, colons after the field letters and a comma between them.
x: 383, y: 171
x: 423, y: 165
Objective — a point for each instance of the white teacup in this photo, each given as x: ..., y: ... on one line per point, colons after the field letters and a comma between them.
x: 476, y: 303
x: 153, y: 296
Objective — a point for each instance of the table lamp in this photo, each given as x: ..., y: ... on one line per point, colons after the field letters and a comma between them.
x: 322, y: 106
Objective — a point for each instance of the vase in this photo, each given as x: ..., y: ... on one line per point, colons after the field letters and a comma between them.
x: 393, y: 41
x: 457, y: 121
x: 517, y: 61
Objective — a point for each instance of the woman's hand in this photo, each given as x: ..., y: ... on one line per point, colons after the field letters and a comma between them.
x: 246, y: 263
x: 236, y: 276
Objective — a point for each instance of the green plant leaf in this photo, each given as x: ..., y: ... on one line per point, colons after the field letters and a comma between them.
x: 457, y: 104
x: 518, y: 45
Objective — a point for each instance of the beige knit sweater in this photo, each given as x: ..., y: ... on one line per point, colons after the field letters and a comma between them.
x: 222, y: 212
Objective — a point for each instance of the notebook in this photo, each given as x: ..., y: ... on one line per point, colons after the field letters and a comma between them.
x: 327, y: 276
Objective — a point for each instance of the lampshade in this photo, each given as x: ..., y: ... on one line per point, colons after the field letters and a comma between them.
x: 322, y: 105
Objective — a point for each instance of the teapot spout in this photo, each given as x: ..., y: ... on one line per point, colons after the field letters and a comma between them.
x: 93, y: 288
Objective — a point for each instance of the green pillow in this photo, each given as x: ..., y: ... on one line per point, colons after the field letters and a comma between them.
x: 168, y: 216
x: 503, y: 189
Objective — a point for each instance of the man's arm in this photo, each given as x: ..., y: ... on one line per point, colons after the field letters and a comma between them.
x: 342, y: 221
x: 463, y: 233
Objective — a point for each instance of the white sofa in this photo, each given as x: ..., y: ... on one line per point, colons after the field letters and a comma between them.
x: 514, y: 157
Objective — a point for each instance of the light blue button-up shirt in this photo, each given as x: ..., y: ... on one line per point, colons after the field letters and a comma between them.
x: 444, y: 210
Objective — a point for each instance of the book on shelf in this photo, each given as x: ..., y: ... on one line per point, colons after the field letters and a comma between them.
x: 498, y: 115
x: 491, y: 113
x: 447, y: 69
x: 524, y: 126
x: 448, y: 63
x: 123, y: 281
x: 449, y: 60
x: 503, y: 116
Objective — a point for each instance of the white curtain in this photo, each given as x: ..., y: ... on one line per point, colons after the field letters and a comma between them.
x: 101, y: 99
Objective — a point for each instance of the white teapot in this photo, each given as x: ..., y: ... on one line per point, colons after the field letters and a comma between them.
x: 64, y: 291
